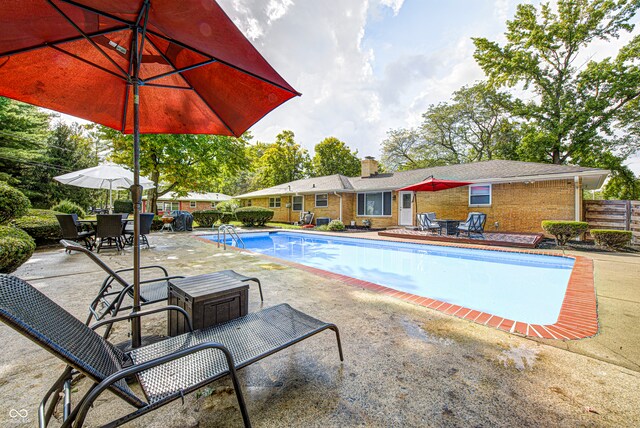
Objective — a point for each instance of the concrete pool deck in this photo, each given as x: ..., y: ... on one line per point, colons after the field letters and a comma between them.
x: 405, y: 365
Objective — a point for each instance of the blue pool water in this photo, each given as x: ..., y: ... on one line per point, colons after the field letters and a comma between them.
x: 524, y: 287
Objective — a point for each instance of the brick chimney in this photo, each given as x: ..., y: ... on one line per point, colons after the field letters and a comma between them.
x: 369, y: 167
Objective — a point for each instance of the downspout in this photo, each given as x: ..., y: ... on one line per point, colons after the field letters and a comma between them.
x: 577, y: 201
x: 340, y: 196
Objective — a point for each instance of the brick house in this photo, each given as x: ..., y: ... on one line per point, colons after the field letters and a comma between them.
x: 191, y: 202
x: 516, y: 196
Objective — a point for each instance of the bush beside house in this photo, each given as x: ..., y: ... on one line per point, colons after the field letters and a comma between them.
x: 206, y: 218
x: 608, y: 238
x: 41, y: 225
x: 563, y: 231
x: 254, y: 216
x: 16, y: 246
x: 69, y: 207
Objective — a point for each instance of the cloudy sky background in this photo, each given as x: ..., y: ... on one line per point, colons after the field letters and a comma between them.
x: 366, y: 66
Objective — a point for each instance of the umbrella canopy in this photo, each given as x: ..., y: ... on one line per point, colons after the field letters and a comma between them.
x: 106, y: 176
x: 434, y: 185
x: 139, y: 66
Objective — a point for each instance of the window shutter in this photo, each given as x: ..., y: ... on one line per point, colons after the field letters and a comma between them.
x: 360, y: 203
x: 386, y: 206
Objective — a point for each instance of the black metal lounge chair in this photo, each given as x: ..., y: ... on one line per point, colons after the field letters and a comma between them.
x: 111, y: 301
x: 427, y: 221
x: 70, y: 231
x: 165, y: 370
x: 473, y: 225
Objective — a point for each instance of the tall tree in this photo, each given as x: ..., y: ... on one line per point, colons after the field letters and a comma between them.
x: 577, y: 111
x: 180, y: 163
x: 67, y: 149
x: 282, y: 161
x: 473, y: 126
x: 333, y: 156
x: 23, y: 133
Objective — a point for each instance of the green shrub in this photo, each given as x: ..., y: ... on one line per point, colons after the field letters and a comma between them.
x: 157, y: 223
x: 41, y: 225
x: 206, y: 218
x: 16, y: 246
x: 611, y: 238
x: 254, y: 216
x: 13, y: 203
x: 564, y: 230
x: 123, y: 206
x: 335, y: 225
x: 229, y: 206
x: 323, y: 227
x: 69, y: 207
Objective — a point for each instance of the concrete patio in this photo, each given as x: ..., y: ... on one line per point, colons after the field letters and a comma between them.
x: 404, y: 365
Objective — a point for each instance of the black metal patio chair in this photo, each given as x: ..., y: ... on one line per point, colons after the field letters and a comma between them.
x: 473, y: 225
x: 111, y: 300
x: 166, y: 370
x: 146, y: 220
x: 427, y: 221
x: 68, y: 224
x: 109, y: 228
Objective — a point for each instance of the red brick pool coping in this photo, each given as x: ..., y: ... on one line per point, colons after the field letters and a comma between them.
x: 578, y: 316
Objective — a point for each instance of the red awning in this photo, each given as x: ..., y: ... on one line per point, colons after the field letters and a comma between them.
x: 434, y: 185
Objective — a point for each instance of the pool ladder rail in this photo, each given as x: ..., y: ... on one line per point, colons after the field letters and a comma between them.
x: 233, y: 233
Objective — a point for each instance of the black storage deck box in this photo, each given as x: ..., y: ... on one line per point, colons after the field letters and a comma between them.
x: 210, y: 299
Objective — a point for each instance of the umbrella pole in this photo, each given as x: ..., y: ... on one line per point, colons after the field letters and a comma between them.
x: 136, y: 193
x: 110, y: 197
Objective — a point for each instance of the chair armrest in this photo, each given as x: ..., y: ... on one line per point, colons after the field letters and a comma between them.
x: 145, y: 267
x: 140, y: 314
x: 163, y: 278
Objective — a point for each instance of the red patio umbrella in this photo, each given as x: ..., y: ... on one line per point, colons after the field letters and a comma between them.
x: 432, y: 184
x: 139, y: 66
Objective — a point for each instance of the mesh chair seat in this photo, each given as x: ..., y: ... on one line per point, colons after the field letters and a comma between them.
x: 248, y: 338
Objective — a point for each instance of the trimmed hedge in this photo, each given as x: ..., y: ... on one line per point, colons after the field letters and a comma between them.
x: 564, y: 230
x: 335, y: 225
x: 41, y: 225
x: 254, y: 216
x: 13, y: 203
x: 206, y: 218
x: 123, y: 206
x: 69, y: 207
x: 611, y: 238
x: 16, y: 246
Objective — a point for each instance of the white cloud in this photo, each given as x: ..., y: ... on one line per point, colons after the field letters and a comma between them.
x: 395, y: 5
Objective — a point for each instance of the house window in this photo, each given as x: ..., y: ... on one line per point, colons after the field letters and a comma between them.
x: 374, y: 204
x: 213, y: 204
x: 248, y: 203
x: 274, y: 202
x: 479, y: 195
x: 192, y: 204
x: 322, y: 200
x: 171, y: 206
x: 297, y: 203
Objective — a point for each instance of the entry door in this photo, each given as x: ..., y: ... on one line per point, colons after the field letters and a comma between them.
x: 405, y: 208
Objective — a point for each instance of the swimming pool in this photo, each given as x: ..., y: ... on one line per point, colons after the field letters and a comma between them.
x: 529, y: 288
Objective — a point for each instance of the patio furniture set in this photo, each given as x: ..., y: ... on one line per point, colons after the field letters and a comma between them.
x: 107, y: 230
x: 211, y: 335
x: 473, y: 225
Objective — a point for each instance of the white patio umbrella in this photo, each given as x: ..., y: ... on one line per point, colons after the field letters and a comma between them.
x: 105, y: 176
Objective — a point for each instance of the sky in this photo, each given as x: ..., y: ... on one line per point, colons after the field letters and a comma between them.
x: 367, y: 66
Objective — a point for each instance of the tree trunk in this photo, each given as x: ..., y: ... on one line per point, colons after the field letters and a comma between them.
x: 555, y: 157
x: 153, y: 194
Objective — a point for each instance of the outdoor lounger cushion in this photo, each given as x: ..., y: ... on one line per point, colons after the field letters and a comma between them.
x: 166, y: 370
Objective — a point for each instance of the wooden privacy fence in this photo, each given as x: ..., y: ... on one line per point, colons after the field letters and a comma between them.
x: 620, y: 215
